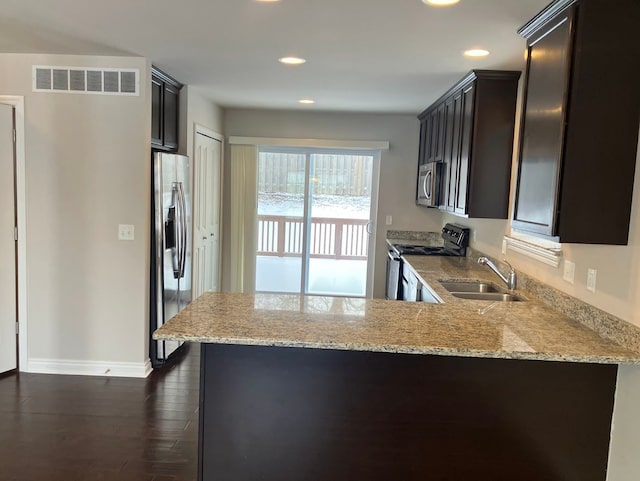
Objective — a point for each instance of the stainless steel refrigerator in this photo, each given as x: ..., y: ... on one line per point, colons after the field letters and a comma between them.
x: 170, y: 247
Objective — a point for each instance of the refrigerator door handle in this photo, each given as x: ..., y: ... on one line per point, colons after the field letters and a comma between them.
x: 177, y: 231
x: 183, y: 228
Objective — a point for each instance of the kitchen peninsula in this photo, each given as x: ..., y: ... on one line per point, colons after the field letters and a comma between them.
x: 317, y: 388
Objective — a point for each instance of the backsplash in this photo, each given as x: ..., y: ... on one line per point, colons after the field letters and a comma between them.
x: 434, y: 238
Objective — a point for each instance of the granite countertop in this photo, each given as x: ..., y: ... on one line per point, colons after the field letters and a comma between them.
x: 457, y: 327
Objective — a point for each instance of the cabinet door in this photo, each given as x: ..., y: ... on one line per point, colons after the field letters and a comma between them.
x: 454, y: 170
x: 440, y: 122
x: 428, y: 149
x: 427, y: 295
x: 543, y: 128
x: 447, y: 152
x: 411, y: 293
x: 170, y: 129
x: 433, y: 140
x: 156, y: 111
x: 422, y: 146
x: 466, y: 134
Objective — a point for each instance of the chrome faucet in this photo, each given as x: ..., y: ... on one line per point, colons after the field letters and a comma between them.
x: 509, y: 280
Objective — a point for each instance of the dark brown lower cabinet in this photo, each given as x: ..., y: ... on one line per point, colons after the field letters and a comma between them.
x: 280, y: 414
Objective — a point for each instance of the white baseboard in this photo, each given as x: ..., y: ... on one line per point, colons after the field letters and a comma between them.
x: 89, y: 368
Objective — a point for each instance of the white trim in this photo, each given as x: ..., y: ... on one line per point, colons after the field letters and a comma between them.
x: 18, y: 103
x: 546, y: 255
x: 372, y: 228
x: 90, y: 368
x: 201, y: 129
x: 321, y: 143
x: 545, y: 243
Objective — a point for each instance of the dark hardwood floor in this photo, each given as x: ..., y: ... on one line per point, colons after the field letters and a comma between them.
x: 72, y: 428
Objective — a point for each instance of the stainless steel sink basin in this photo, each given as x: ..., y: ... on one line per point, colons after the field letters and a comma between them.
x: 479, y: 291
x: 488, y: 296
x: 470, y: 286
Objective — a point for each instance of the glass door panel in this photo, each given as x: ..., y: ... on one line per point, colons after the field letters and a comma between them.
x: 281, y: 208
x: 340, y: 210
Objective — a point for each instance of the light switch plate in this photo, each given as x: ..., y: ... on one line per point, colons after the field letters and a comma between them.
x: 126, y: 232
x: 569, y: 271
x: 389, y: 220
x: 591, y: 279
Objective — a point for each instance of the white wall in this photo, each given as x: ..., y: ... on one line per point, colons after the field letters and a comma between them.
x: 195, y: 108
x: 87, y: 170
x: 397, y: 170
x: 624, y: 464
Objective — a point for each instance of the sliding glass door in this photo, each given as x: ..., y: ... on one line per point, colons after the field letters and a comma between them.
x: 314, y: 221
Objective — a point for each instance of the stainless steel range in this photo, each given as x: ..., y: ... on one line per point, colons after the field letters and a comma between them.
x: 456, y: 241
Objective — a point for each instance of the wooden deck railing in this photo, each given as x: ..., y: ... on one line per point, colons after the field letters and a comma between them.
x: 331, y: 238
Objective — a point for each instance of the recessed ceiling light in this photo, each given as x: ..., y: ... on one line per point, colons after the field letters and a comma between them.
x: 267, y: 1
x: 440, y: 3
x: 476, y: 52
x: 291, y: 60
x: 306, y: 101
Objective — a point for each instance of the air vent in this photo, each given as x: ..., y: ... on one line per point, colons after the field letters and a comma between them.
x: 104, y: 81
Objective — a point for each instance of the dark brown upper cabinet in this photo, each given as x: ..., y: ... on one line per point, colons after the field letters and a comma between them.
x: 165, y: 96
x: 470, y: 129
x: 581, y: 115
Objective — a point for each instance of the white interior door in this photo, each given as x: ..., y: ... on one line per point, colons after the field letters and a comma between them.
x: 206, y: 214
x: 8, y: 316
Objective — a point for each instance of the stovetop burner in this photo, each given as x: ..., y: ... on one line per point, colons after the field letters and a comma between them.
x: 456, y: 241
x: 421, y: 250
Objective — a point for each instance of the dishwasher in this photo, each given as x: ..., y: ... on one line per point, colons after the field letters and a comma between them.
x: 393, y: 290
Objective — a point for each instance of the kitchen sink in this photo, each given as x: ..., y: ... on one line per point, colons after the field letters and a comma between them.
x: 479, y: 291
x: 488, y: 296
x: 471, y: 287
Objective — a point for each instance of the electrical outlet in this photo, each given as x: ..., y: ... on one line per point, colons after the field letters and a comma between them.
x: 126, y: 232
x: 504, y: 246
x: 569, y: 271
x: 389, y: 220
x: 591, y: 279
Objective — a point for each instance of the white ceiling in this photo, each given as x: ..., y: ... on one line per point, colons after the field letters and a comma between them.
x: 362, y: 55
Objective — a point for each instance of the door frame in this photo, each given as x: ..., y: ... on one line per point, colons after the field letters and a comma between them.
x: 372, y: 227
x: 17, y: 102
x: 199, y: 129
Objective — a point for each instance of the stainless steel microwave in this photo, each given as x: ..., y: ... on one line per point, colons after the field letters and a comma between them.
x: 429, y: 184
